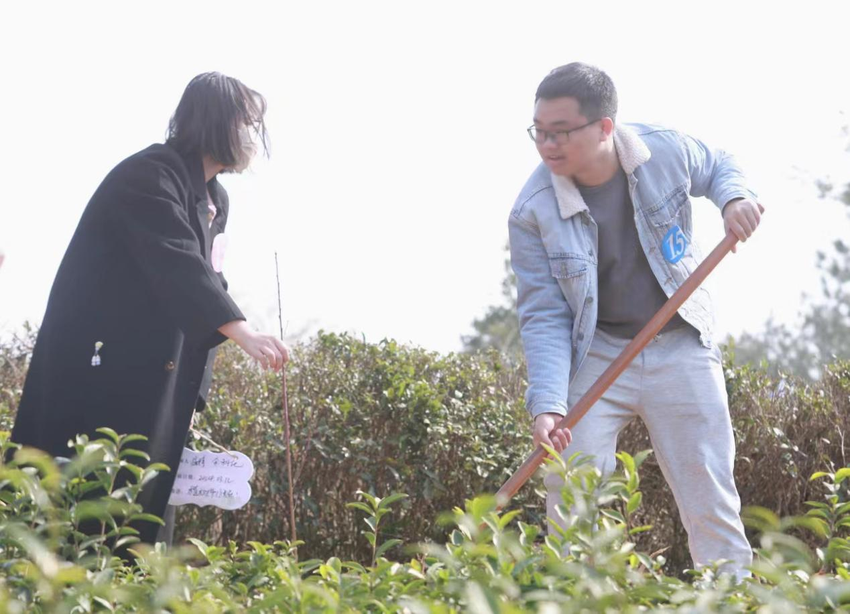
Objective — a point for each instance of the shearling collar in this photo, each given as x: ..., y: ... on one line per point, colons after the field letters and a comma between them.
x: 632, y: 152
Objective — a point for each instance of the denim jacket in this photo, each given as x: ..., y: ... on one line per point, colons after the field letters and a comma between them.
x: 554, y: 241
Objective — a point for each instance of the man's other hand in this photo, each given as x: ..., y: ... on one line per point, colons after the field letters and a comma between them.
x: 545, y: 432
x: 742, y: 216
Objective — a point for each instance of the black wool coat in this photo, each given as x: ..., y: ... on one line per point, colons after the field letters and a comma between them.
x: 137, y: 278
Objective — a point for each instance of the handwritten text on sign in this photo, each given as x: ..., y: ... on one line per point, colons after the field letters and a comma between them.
x: 212, y: 478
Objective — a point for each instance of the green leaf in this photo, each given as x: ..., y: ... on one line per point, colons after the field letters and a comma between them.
x: 842, y: 474
x: 335, y: 564
x: 88, y: 543
x: 553, y: 456
x: 628, y: 462
x: 89, y: 510
x: 818, y: 513
x: 359, y: 506
x: 373, y: 500
x: 147, y: 517
x: 199, y: 545
x: 505, y: 519
x: 105, y: 430
x: 258, y: 547
x: 133, y: 452
x: 70, y: 575
x: 389, y: 500
x: 815, y: 525
x: 125, y: 541
x: 134, y: 469
x: 482, y: 505
x: 106, y: 604
x: 130, y: 438
x: 480, y: 600
x: 613, y: 514
x: 641, y: 456
x: 634, y: 502
x: 387, y: 545
x: 356, y: 567
x: 817, y: 504
x: 761, y: 519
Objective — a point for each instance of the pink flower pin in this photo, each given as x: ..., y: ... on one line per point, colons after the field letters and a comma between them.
x: 217, y: 252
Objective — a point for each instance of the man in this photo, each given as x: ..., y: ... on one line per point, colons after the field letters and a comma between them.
x: 139, y: 302
x: 600, y: 237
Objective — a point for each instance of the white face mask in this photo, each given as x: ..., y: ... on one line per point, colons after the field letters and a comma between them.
x: 249, y: 150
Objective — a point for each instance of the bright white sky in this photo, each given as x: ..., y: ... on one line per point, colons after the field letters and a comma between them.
x: 399, y: 140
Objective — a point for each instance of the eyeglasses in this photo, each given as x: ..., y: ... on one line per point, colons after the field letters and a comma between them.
x: 559, y: 137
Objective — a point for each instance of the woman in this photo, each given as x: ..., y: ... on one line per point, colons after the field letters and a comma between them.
x: 139, y: 302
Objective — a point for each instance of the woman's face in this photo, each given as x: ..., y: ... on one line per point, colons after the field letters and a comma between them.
x: 248, y: 147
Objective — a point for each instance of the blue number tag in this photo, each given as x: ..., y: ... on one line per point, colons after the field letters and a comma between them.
x: 674, y: 244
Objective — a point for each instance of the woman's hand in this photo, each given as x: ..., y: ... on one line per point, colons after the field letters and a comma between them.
x: 268, y: 350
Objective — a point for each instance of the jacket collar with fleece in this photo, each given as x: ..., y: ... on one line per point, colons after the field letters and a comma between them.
x: 632, y: 152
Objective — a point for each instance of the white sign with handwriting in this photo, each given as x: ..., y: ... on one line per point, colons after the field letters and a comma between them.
x: 212, y: 478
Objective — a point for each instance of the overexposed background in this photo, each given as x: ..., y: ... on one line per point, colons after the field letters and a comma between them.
x: 399, y: 145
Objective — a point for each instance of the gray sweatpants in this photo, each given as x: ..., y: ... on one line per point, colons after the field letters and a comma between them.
x: 676, y: 387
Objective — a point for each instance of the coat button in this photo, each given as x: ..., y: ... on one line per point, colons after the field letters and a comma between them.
x: 588, y: 300
x: 169, y: 366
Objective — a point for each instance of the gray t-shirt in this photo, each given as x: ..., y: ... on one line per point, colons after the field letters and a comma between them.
x: 629, y: 293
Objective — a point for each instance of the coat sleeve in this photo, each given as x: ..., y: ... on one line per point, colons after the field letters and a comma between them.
x: 545, y: 321
x: 714, y: 173
x: 151, y: 216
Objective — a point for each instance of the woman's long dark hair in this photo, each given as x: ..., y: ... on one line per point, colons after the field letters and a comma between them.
x: 210, y: 114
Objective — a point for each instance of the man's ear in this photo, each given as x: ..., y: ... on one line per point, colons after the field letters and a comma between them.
x: 607, y: 127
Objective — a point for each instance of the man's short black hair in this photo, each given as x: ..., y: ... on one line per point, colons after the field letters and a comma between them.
x: 210, y: 114
x: 594, y: 90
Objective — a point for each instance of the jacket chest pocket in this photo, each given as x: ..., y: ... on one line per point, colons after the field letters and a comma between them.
x: 672, y: 209
x: 572, y: 277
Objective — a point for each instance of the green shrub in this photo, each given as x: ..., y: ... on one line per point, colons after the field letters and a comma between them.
x: 384, y: 417
x: 14, y: 358
x: 489, y: 563
x: 372, y: 418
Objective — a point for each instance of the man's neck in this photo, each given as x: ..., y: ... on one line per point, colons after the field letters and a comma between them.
x: 602, y: 171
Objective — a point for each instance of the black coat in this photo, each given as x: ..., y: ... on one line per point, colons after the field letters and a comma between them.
x: 136, y: 277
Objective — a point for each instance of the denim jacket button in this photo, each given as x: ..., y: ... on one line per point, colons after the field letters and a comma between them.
x: 588, y: 300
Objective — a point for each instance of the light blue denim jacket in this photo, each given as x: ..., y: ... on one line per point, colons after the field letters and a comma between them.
x: 554, y: 240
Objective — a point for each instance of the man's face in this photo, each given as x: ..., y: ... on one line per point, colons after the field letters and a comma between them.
x: 571, y: 154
